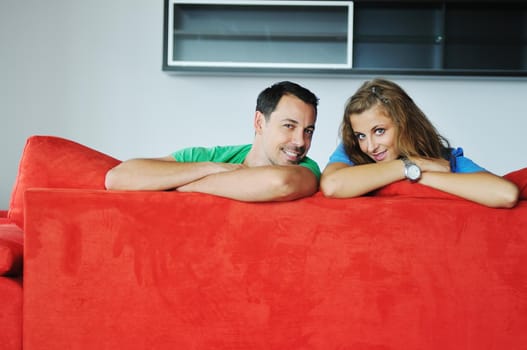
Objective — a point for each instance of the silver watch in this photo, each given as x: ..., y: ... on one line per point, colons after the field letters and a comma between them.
x: 411, y: 170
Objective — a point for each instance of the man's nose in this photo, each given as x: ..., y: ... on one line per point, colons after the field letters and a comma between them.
x: 299, y: 138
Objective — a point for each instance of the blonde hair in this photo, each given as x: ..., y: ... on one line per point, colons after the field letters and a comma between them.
x: 416, y: 136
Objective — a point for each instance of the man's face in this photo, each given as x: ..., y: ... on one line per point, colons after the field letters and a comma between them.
x: 286, y: 136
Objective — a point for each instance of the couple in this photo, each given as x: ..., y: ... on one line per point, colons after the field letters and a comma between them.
x: 385, y: 138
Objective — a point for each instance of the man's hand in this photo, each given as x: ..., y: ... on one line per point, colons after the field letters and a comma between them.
x: 258, y: 184
x: 222, y: 167
x: 158, y: 174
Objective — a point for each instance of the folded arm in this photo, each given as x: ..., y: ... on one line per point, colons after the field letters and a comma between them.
x: 263, y: 183
x: 481, y: 187
x: 340, y: 180
x: 160, y: 173
x: 257, y: 184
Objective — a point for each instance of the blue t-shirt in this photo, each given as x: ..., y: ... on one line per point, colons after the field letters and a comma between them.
x: 458, y: 162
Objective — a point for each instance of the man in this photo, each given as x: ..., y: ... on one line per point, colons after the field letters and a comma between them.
x: 274, y: 168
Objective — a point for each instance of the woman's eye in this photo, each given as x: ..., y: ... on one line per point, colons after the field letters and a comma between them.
x: 380, y: 131
x: 360, y: 137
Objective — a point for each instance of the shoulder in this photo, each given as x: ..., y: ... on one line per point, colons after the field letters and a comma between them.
x: 220, y: 154
x: 311, y: 165
x: 340, y: 156
x: 461, y: 164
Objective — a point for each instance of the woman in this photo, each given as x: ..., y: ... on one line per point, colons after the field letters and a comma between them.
x: 387, y: 138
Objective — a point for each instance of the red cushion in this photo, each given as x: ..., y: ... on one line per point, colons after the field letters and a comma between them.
x: 519, y: 177
x: 407, y: 188
x: 3, y: 217
x: 49, y: 161
x: 11, y: 313
x: 11, y: 250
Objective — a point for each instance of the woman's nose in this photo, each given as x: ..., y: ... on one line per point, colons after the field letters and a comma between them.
x: 372, y: 145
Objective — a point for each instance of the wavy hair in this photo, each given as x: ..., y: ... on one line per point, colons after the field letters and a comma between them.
x: 416, y: 135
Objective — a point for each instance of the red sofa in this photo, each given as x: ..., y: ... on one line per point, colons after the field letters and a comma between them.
x: 406, y: 268
x: 11, y: 238
x: 49, y: 162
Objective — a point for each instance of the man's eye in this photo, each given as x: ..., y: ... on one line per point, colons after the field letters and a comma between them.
x: 310, y: 131
x: 289, y: 126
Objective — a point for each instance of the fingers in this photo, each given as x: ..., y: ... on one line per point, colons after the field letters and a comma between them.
x: 222, y: 167
x: 433, y: 164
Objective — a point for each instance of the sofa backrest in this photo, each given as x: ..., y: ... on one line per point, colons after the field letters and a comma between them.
x: 519, y: 177
x: 54, y: 162
x: 49, y: 161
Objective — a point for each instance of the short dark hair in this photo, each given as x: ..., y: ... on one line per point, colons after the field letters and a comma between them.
x: 268, y: 99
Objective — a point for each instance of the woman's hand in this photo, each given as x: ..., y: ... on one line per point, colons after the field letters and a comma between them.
x: 432, y: 164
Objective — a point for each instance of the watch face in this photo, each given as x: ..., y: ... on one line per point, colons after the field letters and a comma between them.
x: 413, y: 172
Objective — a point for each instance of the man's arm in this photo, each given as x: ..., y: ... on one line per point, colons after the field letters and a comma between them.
x: 258, y: 184
x: 158, y: 174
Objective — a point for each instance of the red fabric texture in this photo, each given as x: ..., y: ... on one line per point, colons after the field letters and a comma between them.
x: 11, y: 255
x: 3, y: 217
x: 415, y: 190
x: 519, y: 177
x: 10, y: 313
x: 4, y: 221
x: 11, y: 250
x: 168, y: 270
x: 54, y: 162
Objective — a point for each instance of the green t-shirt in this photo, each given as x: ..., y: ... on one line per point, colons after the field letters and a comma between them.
x: 229, y: 154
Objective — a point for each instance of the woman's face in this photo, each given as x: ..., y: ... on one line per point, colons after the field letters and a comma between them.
x: 376, y: 134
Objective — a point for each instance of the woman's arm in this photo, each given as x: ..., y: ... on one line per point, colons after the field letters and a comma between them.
x: 481, y: 187
x: 340, y: 180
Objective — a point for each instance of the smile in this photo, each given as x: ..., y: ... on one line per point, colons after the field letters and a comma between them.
x: 379, y: 156
x: 293, y: 155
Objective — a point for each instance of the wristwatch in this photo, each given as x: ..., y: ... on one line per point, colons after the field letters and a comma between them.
x: 411, y: 170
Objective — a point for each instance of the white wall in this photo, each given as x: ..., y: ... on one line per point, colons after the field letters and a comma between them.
x: 91, y: 71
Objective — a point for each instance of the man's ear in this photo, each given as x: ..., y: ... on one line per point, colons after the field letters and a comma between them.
x: 259, y: 122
